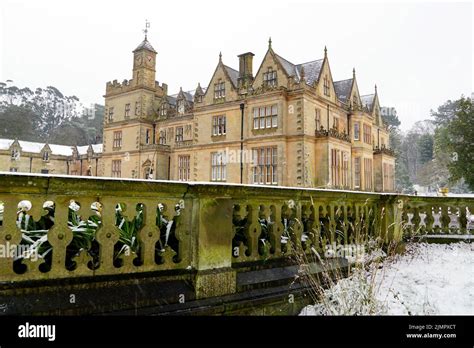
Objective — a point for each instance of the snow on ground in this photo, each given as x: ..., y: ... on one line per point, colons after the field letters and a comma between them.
x: 428, y: 279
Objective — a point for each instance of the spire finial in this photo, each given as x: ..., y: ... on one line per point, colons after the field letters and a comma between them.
x: 353, y: 73
x: 375, y: 88
x: 220, y: 56
x: 325, y: 51
x: 147, y: 25
x: 270, y: 42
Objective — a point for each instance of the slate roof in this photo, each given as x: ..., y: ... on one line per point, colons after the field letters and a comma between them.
x: 145, y: 45
x: 368, y: 100
x: 343, y: 89
x: 233, y: 74
x: 311, y: 69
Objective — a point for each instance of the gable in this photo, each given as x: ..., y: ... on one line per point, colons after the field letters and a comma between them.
x: 326, y: 73
x: 284, y: 69
x: 223, y: 74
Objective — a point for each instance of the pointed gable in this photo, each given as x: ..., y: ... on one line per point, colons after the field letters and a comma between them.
x: 368, y: 102
x: 226, y: 74
x: 325, y: 77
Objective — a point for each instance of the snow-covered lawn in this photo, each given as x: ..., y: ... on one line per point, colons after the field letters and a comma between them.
x: 428, y: 279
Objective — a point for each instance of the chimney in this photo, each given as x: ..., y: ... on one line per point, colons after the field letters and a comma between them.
x: 245, y: 69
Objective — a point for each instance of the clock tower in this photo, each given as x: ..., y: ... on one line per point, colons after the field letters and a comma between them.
x: 144, y: 63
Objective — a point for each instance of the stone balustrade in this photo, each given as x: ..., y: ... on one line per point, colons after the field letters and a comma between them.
x: 108, y: 227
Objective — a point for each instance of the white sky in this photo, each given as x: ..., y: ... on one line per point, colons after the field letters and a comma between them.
x: 419, y: 54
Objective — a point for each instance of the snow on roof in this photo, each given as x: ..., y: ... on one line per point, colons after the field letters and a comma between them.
x: 233, y: 74
x: 98, y: 148
x: 5, y: 144
x: 82, y: 150
x: 61, y: 150
x: 312, y: 69
x: 28, y: 146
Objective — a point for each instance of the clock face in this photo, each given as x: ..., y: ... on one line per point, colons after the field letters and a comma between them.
x: 149, y: 60
x: 138, y: 60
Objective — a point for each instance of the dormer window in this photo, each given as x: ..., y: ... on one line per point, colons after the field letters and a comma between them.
x: 326, y: 86
x: 199, y: 99
x: 219, y: 90
x: 163, y: 109
x: 181, y: 107
x: 270, y: 78
x: 354, y: 102
x: 15, y: 154
x: 46, y: 156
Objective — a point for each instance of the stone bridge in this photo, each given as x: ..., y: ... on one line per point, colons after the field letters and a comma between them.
x: 116, y: 246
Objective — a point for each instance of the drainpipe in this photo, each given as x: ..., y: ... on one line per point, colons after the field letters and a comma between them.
x: 242, y: 105
x: 169, y: 167
x: 81, y: 166
x: 154, y: 133
x: 328, y: 118
x: 96, y: 165
x: 378, y: 137
x: 31, y: 163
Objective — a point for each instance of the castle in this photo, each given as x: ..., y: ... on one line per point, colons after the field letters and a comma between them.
x: 287, y: 125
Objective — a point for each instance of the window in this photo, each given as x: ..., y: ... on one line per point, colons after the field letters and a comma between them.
x: 368, y: 173
x: 354, y: 101
x: 218, y: 166
x: 163, y: 109
x: 179, y: 134
x: 199, y: 98
x: 367, y: 134
x: 162, y: 138
x: 356, y: 131
x: 336, y: 167
x: 345, y: 169
x: 265, y: 117
x: 181, y: 106
x: 270, y: 78
x: 336, y: 123
x: 111, y: 114
x: 147, y: 136
x: 219, y: 90
x: 46, y: 156
x: 14, y: 170
x: 184, y: 167
x: 116, y: 168
x: 357, y: 172
x: 117, y: 140
x: 218, y: 125
x: 388, y: 177
x: 15, y: 154
x: 265, y: 165
x: 317, y: 118
x: 127, y: 110
x: 44, y: 171
x: 326, y: 86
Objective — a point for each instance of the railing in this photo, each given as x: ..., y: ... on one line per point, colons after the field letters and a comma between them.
x: 96, y: 226
x: 184, y: 143
x: 384, y: 150
x: 333, y: 133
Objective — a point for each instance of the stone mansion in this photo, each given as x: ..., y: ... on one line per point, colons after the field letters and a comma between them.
x: 285, y: 124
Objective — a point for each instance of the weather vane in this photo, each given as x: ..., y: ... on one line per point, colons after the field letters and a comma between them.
x: 147, y: 25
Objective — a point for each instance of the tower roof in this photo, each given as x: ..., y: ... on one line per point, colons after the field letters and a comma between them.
x: 145, y: 45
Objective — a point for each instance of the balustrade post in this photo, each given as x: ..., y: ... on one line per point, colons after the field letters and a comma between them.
x: 391, y: 223
x: 212, y: 223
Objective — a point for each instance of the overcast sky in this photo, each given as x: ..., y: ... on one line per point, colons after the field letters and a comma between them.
x: 419, y: 54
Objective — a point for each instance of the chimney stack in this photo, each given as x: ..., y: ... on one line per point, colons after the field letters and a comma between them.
x: 245, y: 69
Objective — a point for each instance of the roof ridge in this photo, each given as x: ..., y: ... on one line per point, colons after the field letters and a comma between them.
x: 310, y: 61
x: 343, y: 80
